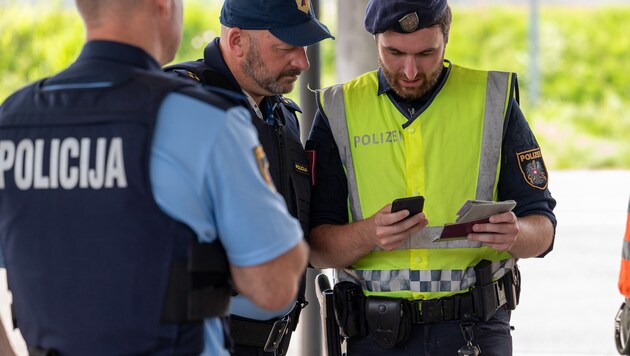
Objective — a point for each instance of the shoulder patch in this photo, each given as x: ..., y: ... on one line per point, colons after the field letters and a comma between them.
x: 263, y: 166
x: 533, y: 168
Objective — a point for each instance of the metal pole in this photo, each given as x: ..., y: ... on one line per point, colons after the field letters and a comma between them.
x: 310, y: 79
x: 534, y: 70
x: 310, y: 325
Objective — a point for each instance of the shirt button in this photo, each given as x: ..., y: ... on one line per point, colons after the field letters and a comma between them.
x: 415, y: 194
x: 412, y: 130
x: 418, y: 259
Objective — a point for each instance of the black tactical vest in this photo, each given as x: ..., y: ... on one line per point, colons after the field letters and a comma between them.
x: 288, y: 161
x: 89, y: 254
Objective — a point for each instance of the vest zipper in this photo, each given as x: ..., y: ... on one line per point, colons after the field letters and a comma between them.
x: 282, y: 158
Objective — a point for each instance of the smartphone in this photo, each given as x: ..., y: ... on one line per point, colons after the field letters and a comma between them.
x: 413, y: 204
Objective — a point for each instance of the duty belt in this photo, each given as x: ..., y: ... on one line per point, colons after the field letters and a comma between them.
x: 460, y: 306
x: 268, y: 335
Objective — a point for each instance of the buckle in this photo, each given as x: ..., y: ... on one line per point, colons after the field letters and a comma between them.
x: 499, y: 290
x: 432, y: 311
x: 278, y: 330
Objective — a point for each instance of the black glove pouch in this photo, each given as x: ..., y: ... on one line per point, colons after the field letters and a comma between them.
x: 389, y: 321
x: 349, y: 303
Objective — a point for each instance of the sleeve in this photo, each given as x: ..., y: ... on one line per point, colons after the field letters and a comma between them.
x: 329, y: 196
x: 524, y: 176
x: 209, y: 171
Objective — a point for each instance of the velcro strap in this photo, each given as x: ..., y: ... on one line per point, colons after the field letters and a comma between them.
x: 198, y: 305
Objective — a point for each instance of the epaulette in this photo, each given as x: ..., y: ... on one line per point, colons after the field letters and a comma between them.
x: 187, y: 73
x: 290, y: 104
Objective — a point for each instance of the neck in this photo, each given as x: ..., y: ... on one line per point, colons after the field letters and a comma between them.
x: 135, y: 34
x: 244, y: 81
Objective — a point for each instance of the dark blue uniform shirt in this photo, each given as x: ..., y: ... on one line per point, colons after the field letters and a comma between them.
x: 329, y: 198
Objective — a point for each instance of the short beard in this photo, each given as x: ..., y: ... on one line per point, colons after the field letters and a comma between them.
x: 426, y: 83
x: 255, y: 68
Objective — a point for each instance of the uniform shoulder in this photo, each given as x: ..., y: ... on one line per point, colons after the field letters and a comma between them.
x: 290, y: 104
x: 218, y: 97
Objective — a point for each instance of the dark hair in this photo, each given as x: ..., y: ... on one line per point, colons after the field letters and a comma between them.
x: 444, y: 22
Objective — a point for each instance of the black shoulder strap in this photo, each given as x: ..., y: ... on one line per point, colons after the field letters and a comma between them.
x: 201, y: 72
x: 211, y: 80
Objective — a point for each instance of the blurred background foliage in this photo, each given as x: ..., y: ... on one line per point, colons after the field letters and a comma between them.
x: 582, y: 119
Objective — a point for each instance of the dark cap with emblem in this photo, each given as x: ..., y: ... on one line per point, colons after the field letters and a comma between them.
x: 291, y: 21
x: 404, y: 16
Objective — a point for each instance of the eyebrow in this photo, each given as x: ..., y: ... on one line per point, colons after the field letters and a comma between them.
x: 394, y: 49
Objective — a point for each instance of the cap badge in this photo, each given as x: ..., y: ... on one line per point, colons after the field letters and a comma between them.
x: 303, y: 5
x: 409, y: 22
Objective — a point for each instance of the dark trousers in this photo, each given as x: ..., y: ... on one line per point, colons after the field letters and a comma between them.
x: 445, y: 339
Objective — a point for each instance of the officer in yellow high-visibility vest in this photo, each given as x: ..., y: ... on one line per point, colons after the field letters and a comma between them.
x: 622, y: 327
x: 423, y: 126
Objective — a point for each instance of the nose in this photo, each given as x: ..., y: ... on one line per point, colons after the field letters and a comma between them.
x: 410, y: 68
x: 300, y: 60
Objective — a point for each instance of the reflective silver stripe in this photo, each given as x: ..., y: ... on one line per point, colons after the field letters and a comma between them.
x: 77, y: 86
x: 496, y: 97
x: 335, y: 109
x: 420, y: 281
x: 626, y: 250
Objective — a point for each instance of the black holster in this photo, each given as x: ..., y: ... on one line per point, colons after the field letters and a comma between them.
x: 349, y: 303
x: 489, y: 296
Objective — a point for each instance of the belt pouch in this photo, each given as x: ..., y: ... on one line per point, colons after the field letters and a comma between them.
x: 512, y: 282
x: 349, y: 304
x: 389, y: 321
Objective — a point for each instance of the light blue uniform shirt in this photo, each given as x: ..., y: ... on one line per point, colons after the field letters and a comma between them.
x: 204, y: 173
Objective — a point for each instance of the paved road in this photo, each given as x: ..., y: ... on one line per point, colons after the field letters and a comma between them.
x: 569, y: 298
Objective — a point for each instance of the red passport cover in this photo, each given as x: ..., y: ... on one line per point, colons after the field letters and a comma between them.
x: 461, y: 230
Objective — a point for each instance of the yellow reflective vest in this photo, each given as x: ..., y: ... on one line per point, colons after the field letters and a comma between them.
x: 449, y: 154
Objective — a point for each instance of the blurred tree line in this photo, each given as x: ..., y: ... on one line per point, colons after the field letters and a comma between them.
x: 582, y: 119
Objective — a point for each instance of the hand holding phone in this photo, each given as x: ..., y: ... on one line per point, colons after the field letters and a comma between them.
x: 413, y: 204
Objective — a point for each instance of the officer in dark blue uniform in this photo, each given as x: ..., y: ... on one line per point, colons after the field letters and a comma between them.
x: 120, y: 223
x: 260, y: 54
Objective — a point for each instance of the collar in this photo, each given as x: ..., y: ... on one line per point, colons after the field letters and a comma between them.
x: 119, y: 52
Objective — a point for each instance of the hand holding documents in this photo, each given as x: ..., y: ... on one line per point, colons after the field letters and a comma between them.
x: 471, y: 213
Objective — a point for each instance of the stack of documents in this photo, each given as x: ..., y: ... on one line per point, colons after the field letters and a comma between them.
x: 474, y: 212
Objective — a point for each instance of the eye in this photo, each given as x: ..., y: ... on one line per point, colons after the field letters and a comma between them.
x: 394, y: 52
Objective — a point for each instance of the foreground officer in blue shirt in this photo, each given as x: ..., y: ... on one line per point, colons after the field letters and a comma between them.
x: 119, y: 188
x: 421, y: 125
x: 260, y: 54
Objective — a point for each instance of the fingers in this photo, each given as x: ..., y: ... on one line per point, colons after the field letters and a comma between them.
x: 393, y: 229
x: 500, y: 234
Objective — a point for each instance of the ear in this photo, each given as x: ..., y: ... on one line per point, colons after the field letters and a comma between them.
x: 236, y: 41
x: 164, y: 8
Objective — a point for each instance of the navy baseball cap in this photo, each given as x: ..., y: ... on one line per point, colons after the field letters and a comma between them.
x: 402, y: 16
x: 291, y: 21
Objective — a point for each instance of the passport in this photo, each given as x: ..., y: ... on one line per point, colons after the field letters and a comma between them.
x: 471, y: 213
